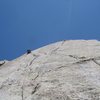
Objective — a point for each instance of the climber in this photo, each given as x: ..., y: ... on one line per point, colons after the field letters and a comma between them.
x: 28, y: 51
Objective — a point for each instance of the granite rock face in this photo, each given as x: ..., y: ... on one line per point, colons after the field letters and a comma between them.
x: 66, y: 70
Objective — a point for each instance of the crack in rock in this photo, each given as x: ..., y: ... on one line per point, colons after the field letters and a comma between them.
x: 60, y: 67
x: 53, y: 51
x: 84, y: 59
x: 81, y: 61
x: 35, y: 57
x: 88, y: 59
x: 36, y: 77
x: 22, y: 92
x: 36, y: 88
x: 76, y: 57
x: 96, y: 62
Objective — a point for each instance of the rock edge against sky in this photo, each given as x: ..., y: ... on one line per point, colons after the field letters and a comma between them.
x: 66, y: 70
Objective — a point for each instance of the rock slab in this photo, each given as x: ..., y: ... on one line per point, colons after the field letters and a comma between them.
x: 66, y: 70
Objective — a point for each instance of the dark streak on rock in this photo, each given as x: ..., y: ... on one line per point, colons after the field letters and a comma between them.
x: 84, y: 60
x: 59, y: 67
x: 36, y: 88
x: 53, y: 51
x: 76, y: 57
x: 22, y: 92
x: 36, y: 56
x: 96, y: 62
x: 36, y: 77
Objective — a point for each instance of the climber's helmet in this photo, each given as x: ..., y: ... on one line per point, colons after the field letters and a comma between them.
x: 28, y: 51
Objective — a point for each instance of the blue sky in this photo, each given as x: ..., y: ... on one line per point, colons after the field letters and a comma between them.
x: 30, y: 24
